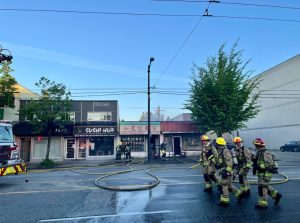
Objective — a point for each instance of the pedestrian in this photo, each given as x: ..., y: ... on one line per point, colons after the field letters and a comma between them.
x: 225, y: 167
x: 163, y: 148
x: 266, y: 166
x: 244, y: 164
x: 208, y: 156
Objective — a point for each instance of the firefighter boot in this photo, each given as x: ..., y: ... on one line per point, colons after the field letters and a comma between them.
x: 224, y: 201
x: 277, y: 198
x: 239, y: 195
x: 208, y: 188
x: 262, y: 204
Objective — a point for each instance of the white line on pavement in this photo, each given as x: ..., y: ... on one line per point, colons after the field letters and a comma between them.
x: 105, y: 216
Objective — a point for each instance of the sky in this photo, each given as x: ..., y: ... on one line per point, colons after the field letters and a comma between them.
x: 104, y: 54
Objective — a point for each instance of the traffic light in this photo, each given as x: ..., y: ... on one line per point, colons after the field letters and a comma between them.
x: 4, y: 57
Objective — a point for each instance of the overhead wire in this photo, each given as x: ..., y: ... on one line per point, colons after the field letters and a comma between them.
x: 181, y: 46
x: 233, y: 3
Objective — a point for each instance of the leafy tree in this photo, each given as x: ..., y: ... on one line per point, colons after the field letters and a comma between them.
x: 51, y: 109
x: 7, y: 85
x: 223, y: 96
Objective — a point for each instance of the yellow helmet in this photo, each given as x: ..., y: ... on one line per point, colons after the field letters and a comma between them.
x: 204, y: 138
x: 221, y: 141
x: 237, y: 139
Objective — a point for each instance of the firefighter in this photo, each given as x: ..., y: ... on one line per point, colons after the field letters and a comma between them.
x: 127, y: 151
x: 208, y: 157
x: 163, y: 147
x: 244, y: 164
x: 225, y: 167
x: 266, y: 165
x: 118, y: 151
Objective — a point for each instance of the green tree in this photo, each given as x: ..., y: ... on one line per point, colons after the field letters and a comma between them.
x: 223, y: 97
x: 50, y: 109
x: 7, y: 85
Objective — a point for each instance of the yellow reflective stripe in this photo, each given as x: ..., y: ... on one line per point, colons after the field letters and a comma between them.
x: 268, y: 175
x: 208, y: 185
x: 274, y: 193
x: 244, y: 188
x: 262, y: 166
x: 224, y: 199
x: 249, y: 165
x: 262, y: 202
x: 210, y: 157
x: 238, y: 193
x: 229, y: 169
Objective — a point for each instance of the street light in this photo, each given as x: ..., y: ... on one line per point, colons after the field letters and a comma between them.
x: 149, y: 131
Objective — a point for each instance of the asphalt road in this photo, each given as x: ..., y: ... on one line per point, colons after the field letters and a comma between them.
x: 66, y: 196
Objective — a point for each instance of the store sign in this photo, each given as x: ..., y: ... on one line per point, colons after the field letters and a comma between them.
x: 139, y: 129
x: 94, y: 130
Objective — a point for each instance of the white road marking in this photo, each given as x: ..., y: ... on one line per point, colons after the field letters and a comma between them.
x: 105, y: 216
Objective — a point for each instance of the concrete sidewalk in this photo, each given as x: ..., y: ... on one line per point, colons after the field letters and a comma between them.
x: 91, y: 163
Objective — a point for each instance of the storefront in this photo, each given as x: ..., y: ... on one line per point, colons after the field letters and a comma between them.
x: 91, y: 134
x: 91, y: 142
x: 136, y: 133
x: 182, y: 137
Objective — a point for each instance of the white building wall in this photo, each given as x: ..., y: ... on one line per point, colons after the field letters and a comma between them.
x: 279, y: 119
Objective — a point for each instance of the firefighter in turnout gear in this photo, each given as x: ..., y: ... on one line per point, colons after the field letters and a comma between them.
x: 208, y: 156
x: 266, y: 166
x: 225, y: 167
x: 244, y: 160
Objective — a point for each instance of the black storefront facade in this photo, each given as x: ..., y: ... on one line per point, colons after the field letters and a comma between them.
x: 91, y: 135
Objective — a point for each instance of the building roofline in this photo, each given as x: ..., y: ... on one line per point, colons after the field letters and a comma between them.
x: 268, y: 71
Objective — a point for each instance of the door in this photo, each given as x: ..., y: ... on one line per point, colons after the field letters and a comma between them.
x: 81, y: 148
x: 25, y: 149
x: 70, y: 153
x: 177, y: 145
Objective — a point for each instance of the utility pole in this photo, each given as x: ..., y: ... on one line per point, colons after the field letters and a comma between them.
x: 149, y: 127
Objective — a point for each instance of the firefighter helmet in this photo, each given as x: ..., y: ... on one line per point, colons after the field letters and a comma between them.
x: 204, y: 138
x: 221, y: 141
x: 259, y: 142
x: 237, y: 139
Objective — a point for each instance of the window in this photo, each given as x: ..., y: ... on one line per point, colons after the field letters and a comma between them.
x: 99, y: 116
x: 40, y: 148
x: 72, y: 116
x: 136, y: 143
x: 101, y: 146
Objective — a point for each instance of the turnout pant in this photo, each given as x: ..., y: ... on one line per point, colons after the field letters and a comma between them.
x: 264, y: 189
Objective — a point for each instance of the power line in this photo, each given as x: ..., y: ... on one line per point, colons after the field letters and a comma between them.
x: 181, y: 47
x: 233, y: 3
x: 255, y: 18
x: 99, y: 12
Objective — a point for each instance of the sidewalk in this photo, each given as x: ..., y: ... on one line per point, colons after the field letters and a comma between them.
x: 91, y: 163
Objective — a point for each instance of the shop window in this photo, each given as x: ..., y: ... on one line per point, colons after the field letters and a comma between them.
x: 40, y: 148
x: 136, y: 143
x: 101, y: 146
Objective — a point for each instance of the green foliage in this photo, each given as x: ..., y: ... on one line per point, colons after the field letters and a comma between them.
x: 52, y: 108
x: 47, y: 163
x: 223, y: 97
x: 7, y: 86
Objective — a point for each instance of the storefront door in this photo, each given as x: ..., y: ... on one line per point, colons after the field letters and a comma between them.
x: 81, y: 149
x: 70, y: 153
x: 177, y: 145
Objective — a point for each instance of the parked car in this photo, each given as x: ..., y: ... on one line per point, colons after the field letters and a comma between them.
x: 292, y: 146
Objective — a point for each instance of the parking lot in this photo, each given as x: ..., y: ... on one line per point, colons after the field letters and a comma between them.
x: 71, y: 195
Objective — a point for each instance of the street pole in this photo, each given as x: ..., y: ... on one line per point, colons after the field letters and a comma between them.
x: 149, y: 127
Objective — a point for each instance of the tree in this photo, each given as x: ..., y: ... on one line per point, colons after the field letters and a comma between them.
x: 52, y: 108
x: 223, y: 97
x: 7, y: 85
